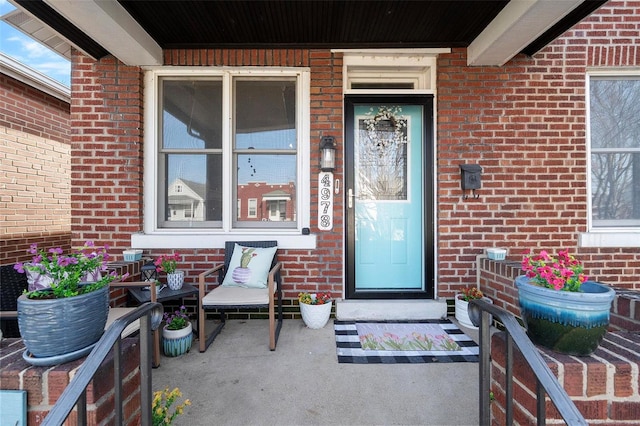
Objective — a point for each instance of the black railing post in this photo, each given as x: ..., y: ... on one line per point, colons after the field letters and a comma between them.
x: 117, y: 380
x: 146, y: 392
x: 150, y: 315
x: 509, y: 379
x: 485, y: 369
x: 540, y: 404
x: 547, y: 382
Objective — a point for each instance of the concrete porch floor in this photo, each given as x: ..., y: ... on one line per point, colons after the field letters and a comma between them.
x: 238, y: 381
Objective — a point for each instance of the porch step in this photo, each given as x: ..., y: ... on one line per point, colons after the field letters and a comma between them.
x: 353, y: 310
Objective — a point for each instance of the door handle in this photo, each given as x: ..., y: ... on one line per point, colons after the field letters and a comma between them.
x: 350, y: 198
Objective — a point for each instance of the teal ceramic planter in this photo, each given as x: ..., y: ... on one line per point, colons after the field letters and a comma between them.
x: 572, y: 323
x: 177, y: 342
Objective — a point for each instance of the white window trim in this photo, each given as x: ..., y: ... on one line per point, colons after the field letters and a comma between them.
x: 155, y: 237
x: 604, y: 237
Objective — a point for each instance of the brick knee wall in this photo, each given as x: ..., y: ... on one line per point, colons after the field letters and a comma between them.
x: 603, y: 386
x: 44, y: 385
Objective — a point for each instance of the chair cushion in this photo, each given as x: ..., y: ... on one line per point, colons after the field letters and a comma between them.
x: 236, y: 296
x: 115, y: 313
x: 249, y: 267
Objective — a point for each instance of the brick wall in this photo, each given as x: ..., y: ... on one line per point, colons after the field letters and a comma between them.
x: 44, y: 385
x: 35, y: 200
x: 525, y: 124
x: 604, y: 386
x: 107, y: 152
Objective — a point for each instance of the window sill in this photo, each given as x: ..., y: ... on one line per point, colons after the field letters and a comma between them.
x: 196, y: 241
x: 629, y: 238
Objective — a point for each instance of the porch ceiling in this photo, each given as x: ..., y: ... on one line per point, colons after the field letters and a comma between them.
x: 136, y: 31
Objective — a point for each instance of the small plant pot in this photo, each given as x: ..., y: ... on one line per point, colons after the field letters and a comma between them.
x: 316, y: 316
x: 177, y: 342
x: 175, y: 280
x: 463, y: 313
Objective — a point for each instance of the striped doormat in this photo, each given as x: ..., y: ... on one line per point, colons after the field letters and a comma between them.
x: 403, y: 342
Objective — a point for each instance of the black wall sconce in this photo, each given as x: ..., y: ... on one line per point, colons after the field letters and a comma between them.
x: 327, y: 154
x: 470, y: 179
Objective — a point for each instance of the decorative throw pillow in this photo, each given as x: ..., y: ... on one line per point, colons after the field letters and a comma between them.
x: 249, y: 267
x: 37, y: 280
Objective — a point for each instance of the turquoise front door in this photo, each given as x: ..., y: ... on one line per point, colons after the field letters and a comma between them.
x: 389, y: 187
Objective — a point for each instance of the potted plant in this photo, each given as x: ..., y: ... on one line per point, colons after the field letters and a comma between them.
x: 462, y: 305
x: 68, y: 317
x: 177, y: 333
x: 315, y: 308
x: 161, y: 406
x: 562, y: 310
x: 168, y: 263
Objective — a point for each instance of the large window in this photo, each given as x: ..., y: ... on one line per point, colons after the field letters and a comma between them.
x: 614, y: 124
x: 224, y: 140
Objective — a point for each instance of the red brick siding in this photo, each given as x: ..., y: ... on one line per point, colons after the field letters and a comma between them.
x: 106, y: 116
x: 44, y: 385
x: 28, y: 110
x: 603, y: 386
x: 525, y: 124
x: 106, y: 145
x: 35, y: 169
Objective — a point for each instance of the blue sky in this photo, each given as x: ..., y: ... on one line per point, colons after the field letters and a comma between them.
x: 29, y: 52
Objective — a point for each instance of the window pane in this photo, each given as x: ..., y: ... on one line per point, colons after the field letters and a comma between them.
x: 265, y: 115
x: 194, y: 188
x: 615, y: 113
x: 381, y: 159
x: 267, y: 184
x: 192, y: 114
x: 615, y: 151
x: 615, y: 189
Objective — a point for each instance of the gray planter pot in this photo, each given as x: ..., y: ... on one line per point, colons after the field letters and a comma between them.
x: 54, y: 327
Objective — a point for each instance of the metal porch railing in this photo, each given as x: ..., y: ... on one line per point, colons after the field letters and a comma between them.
x: 150, y: 315
x: 545, y: 380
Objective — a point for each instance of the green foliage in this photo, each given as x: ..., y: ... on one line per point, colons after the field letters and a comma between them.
x: 87, y: 264
x: 161, y: 407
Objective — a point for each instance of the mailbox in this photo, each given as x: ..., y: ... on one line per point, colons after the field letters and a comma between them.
x: 470, y: 176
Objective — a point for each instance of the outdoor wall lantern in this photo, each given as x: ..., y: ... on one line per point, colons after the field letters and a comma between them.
x: 327, y: 154
x: 470, y: 179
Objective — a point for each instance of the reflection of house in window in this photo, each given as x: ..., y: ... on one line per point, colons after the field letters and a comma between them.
x: 186, y: 200
x: 276, y: 202
x: 267, y: 202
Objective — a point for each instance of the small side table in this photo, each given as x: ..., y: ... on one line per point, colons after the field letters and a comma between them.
x: 143, y: 296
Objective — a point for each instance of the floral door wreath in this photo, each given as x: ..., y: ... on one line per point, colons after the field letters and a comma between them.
x: 386, y: 118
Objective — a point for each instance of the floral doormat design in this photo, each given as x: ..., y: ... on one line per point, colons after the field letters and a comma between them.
x: 388, y: 342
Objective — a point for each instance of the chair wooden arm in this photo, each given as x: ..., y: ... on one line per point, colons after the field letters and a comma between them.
x: 272, y: 276
x: 202, y: 285
x: 9, y: 314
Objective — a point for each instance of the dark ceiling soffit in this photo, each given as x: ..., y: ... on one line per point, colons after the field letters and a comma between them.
x: 52, y: 18
x: 49, y: 16
x: 575, y: 16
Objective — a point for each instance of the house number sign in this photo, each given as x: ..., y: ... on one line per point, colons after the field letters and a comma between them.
x: 325, y: 201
